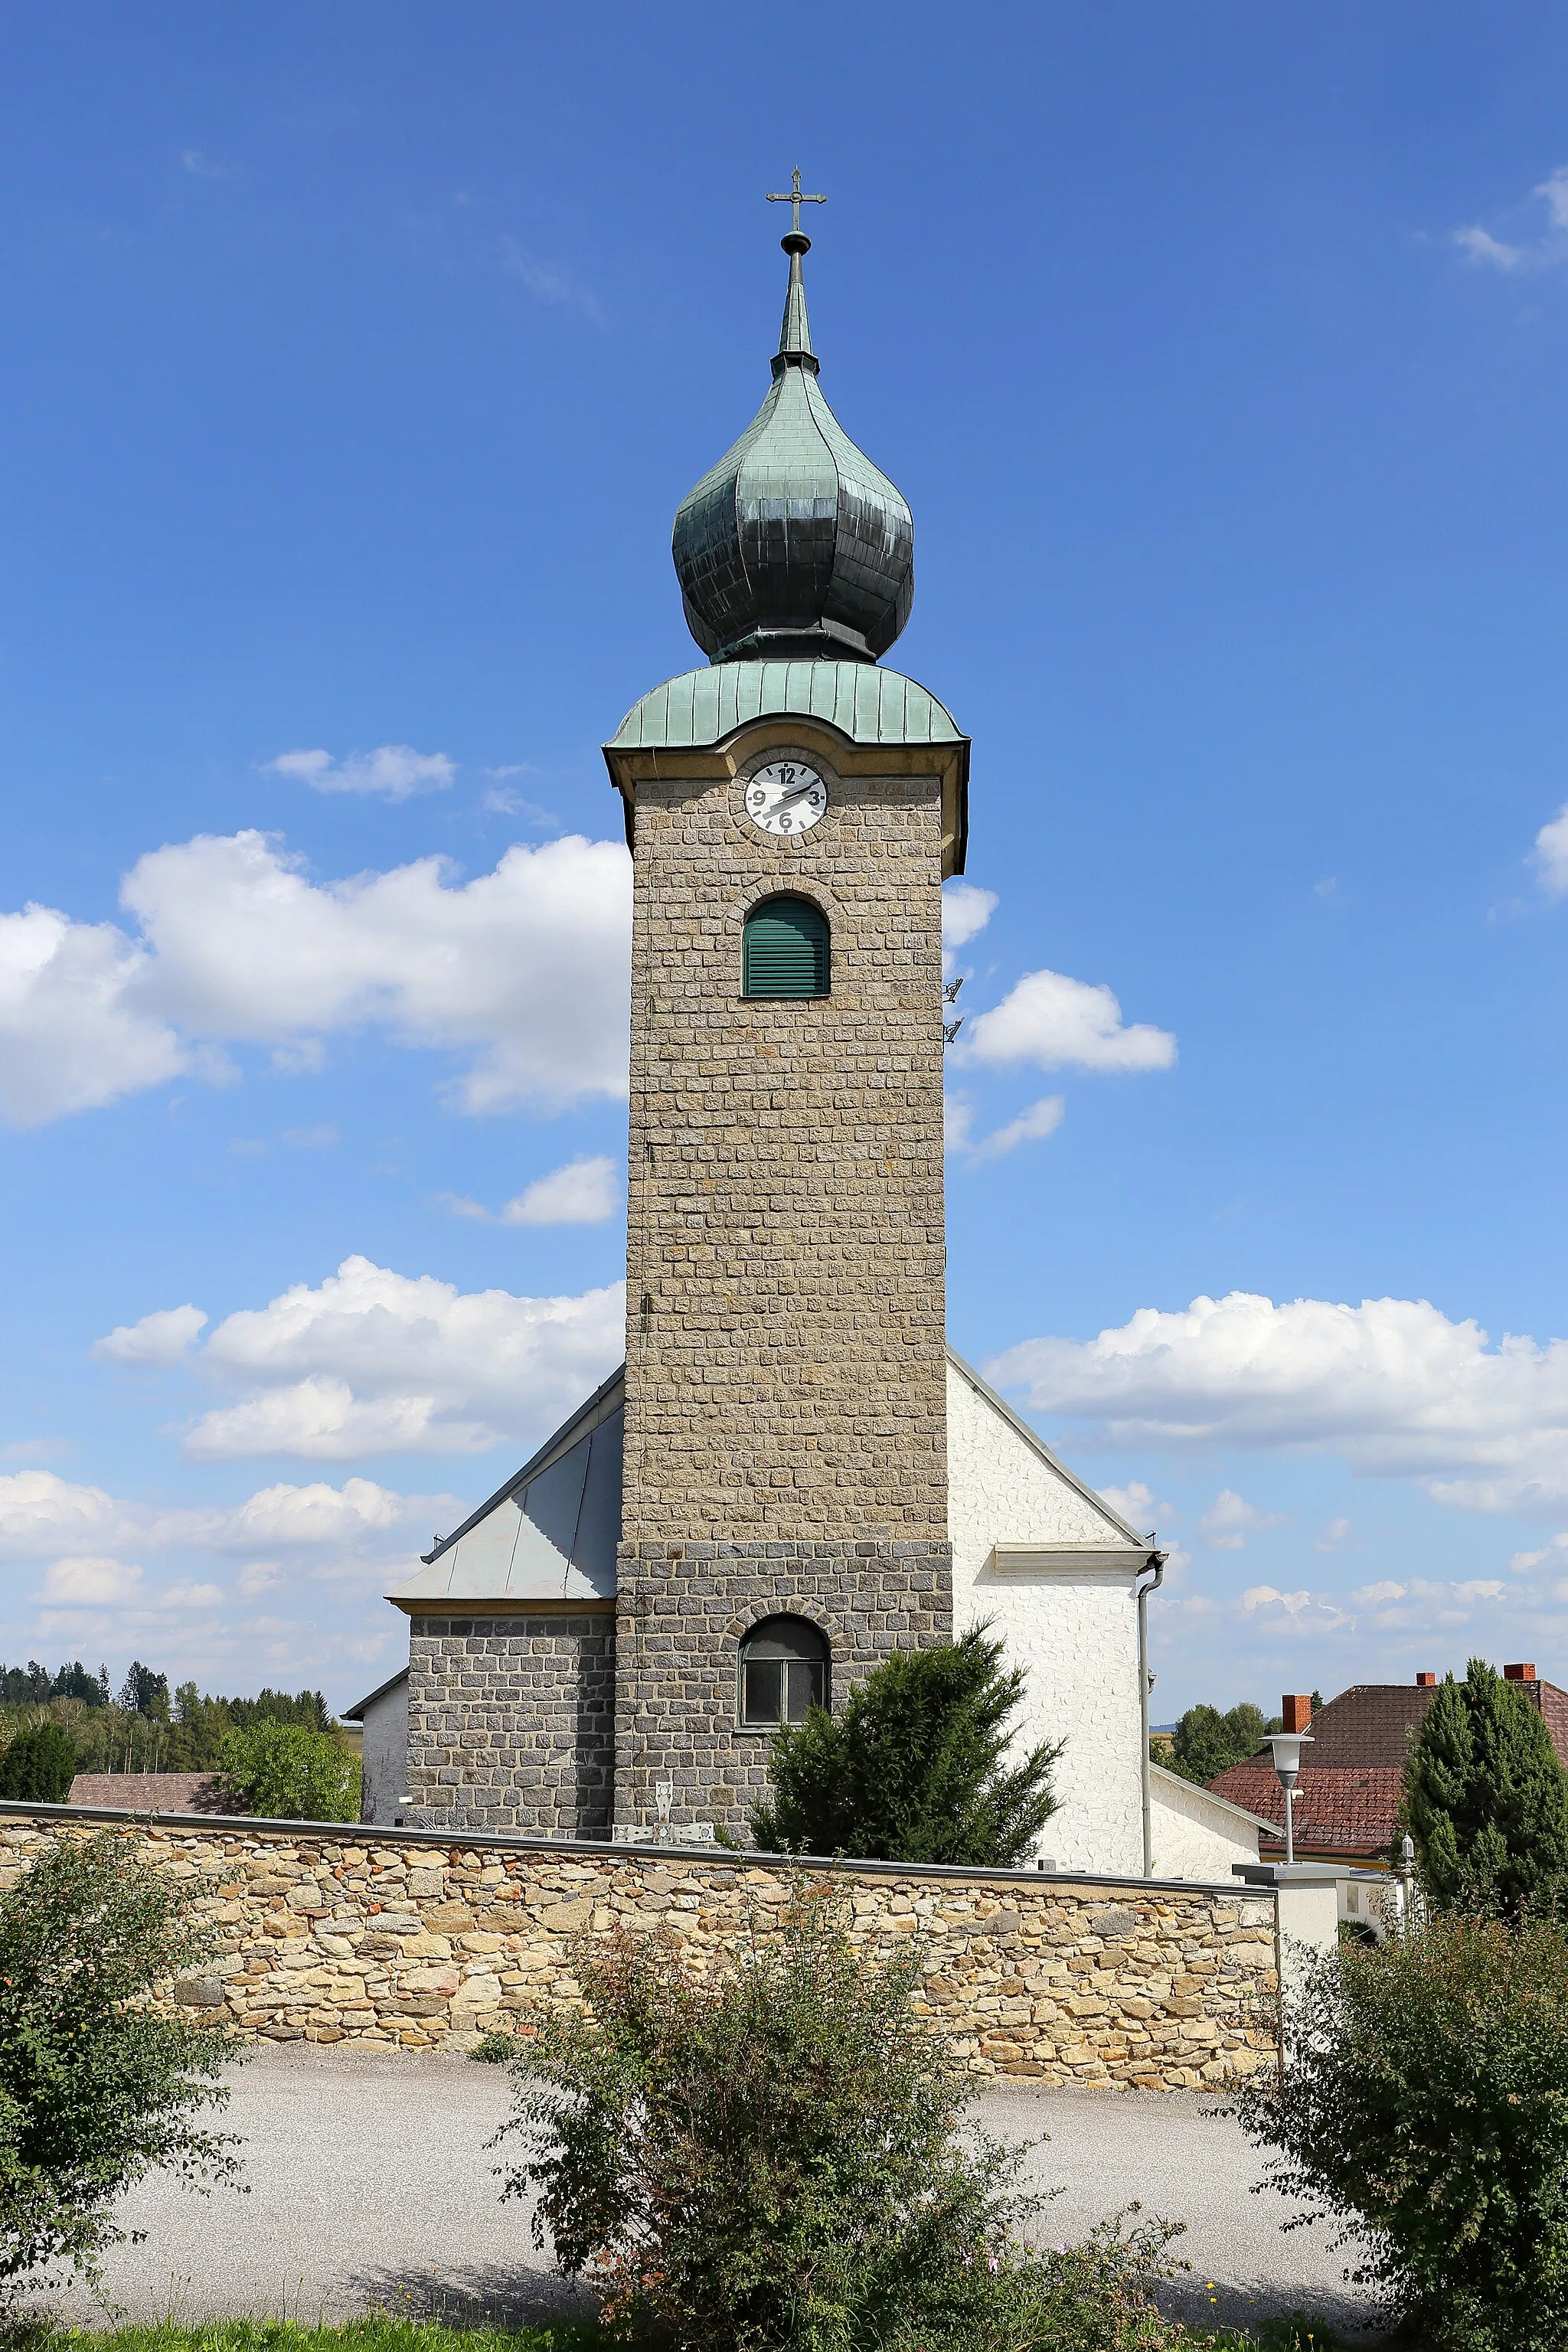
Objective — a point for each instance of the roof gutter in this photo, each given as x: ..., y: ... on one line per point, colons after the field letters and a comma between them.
x: 1157, y: 1562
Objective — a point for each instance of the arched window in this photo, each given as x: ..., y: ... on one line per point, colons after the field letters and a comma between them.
x: 783, y: 1670
x: 785, y: 950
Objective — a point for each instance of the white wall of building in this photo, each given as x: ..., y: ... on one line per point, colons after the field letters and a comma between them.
x: 1072, y: 1625
x: 1196, y: 1834
x: 384, y: 1758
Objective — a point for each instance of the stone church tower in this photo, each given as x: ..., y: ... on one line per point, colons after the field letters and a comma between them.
x: 791, y: 812
x: 792, y: 1474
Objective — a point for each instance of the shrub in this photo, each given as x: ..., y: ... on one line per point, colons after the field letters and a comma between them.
x: 912, y: 1770
x: 767, y: 2156
x: 40, y: 1764
x: 96, y: 2088
x: 284, y: 1772
x: 1486, y: 1798
x: 1421, y: 2104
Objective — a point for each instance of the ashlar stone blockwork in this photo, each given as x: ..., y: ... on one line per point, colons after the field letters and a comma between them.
x: 684, y: 1610
x: 785, y: 1378
x: 512, y: 1722
x: 785, y: 1427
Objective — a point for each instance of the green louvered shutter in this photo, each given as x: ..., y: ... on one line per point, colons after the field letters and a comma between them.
x: 786, y: 951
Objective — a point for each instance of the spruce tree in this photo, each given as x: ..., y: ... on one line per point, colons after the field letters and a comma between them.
x: 914, y: 1767
x: 1485, y: 1798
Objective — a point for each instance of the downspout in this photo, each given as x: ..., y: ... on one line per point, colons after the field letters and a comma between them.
x: 1157, y: 1562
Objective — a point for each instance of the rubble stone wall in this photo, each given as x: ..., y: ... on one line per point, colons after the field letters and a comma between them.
x: 338, y: 1935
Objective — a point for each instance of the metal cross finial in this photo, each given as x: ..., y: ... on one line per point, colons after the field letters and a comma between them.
x: 795, y: 198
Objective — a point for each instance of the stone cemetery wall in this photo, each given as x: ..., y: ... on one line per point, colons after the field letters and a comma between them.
x: 404, y: 1940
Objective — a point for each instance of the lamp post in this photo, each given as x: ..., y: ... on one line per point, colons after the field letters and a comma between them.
x: 1286, y: 1747
x: 1406, y: 1882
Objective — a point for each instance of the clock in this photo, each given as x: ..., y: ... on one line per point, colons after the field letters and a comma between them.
x: 785, y: 797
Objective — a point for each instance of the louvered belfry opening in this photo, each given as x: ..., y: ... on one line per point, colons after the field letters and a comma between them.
x: 786, y: 950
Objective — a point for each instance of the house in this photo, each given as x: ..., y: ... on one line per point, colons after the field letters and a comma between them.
x: 1352, y: 1777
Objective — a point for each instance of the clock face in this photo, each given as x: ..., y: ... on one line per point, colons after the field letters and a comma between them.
x: 785, y: 797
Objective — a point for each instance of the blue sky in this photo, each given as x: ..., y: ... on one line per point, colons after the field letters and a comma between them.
x: 357, y: 360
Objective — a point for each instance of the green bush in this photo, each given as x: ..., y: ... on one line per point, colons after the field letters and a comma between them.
x: 40, y: 1764
x: 1422, y: 2104
x: 777, y: 2154
x: 1487, y: 1799
x: 96, y: 2088
x: 1207, y: 1743
x: 282, y: 1772
x: 913, y: 1768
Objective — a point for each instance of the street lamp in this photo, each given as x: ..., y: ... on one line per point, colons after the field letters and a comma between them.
x: 1286, y: 1747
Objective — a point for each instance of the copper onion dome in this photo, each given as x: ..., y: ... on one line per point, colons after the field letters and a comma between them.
x: 793, y: 546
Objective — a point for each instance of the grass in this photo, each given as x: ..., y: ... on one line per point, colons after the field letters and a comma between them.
x: 382, y: 2332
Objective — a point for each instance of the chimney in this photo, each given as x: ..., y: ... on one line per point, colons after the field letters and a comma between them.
x: 1425, y: 1682
x: 1518, y: 1674
x: 1296, y: 1712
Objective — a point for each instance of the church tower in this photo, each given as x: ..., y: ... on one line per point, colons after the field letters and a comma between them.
x: 792, y: 809
x: 792, y: 1476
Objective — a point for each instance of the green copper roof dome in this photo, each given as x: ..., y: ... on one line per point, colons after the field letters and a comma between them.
x: 795, y: 545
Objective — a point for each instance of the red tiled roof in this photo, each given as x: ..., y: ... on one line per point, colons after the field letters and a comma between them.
x: 154, y: 1793
x: 1340, y: 1809
x: 1368, y: 1724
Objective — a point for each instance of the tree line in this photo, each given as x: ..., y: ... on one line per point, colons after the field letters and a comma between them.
x: 143, y: 1727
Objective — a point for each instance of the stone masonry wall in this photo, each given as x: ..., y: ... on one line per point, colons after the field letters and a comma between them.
x: 785, y: 1373
x: 512, y: 1722
x: 331, y: 1935
x: 683, y: 1609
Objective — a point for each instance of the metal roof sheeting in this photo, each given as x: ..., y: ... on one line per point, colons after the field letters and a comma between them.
x: 703, y: 706
x: 550, y: 1539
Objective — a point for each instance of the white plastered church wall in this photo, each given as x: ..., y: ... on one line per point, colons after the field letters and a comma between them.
x: 1195, y: 1834
x: 1073, y: 1628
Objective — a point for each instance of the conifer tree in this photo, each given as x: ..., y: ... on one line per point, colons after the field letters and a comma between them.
x: 913, y: 1768
x: 1485, y: 1798
x: 39, y: 1764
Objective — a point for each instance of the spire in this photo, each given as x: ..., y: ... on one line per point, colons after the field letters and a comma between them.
x: 794, y: 335
x: 793, y: 546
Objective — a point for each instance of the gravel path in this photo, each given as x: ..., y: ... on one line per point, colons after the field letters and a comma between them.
x: 368, y: 2182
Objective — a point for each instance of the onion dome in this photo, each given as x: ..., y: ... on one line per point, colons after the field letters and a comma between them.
x: 794, y: 546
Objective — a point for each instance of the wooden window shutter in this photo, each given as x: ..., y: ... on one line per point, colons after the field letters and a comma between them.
x: 785, y: 950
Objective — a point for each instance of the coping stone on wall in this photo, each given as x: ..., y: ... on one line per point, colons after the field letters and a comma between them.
x: 712, y: 1858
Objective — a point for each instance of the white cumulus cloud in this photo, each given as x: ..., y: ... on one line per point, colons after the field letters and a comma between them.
x: 71, y: 1035
x: 370, y: 1361
x: 522, y: 973
x: 1550, y: 855
x: 87, y: 1582
x: 584, y: 1193
x: 157, y: 1339
x: 1543, y: 250
x: 965, y: 911
x: 1415, y: 1602
x: 396, y: 771
x: 1056, y: 1024
x: 1031, y: 1126
x: 1229, y: 1520
x: 1135, y: 1502
x: 44, y: 1517
x: 1392, y: 1384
